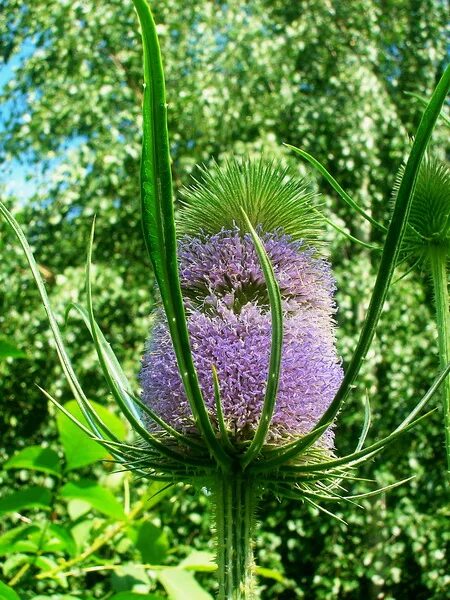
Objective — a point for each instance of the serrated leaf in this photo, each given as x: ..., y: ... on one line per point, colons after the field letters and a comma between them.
x: 32, y: 497
x: 79, y: 449
x: 36, y: 459
x: 97, y: 496
x: 180, y: 584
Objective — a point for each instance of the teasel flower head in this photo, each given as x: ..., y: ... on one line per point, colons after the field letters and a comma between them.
x: 246, y: 327
x: 428, y: 228
x: 228, y: 315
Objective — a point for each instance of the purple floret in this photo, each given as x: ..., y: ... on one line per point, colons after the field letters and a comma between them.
x: 234, y: 336
x: 227, y: 264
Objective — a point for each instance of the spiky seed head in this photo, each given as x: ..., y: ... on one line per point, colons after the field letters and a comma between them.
x: 270, y: 194
x: 429, y: 219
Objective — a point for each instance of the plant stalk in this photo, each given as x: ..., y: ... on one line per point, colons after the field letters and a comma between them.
x: 235, y: 503
x: 438, y: 261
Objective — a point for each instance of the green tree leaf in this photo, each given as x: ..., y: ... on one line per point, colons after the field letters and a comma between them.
x: 180, y: 584
x: 32, y: 497
x: 7, y: 349
x: 79, y: 449
x: 152, y: 543
x: 97, y: 496
x: 7, y: 593
x: 135, y: 596
x: 36, y: 459
x: 9, y: 540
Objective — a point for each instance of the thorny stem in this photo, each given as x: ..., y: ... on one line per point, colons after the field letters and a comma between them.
x: 235, y: 499
x: 438, y: 260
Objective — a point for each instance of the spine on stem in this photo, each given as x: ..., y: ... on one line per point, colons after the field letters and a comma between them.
x: 235, y: 496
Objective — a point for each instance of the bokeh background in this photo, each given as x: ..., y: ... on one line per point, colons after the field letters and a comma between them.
x: 330, y: 76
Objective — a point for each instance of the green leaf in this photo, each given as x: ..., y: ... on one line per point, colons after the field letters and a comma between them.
x: 8, y: 350
x: 136, y: 596
x: 61, y: 539
x: 79, y: 449
x: 93, y: 420
x: 128, y: 576
x: 270, y: 574
x: 276, y: 346
x: 36, y: 459
x: 388, y: 262
x: 7, y: 593
x: 199, y: 561
x: 335, y: 185
x: 62, y: 597
x: 152, y: 543
x: 97, y: 496
x: 32, y: 497
x: 10, y: 539
x: 180, y: 584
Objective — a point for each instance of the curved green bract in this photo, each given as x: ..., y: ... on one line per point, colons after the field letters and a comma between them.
x: 335, y: 185
x: 95, y: 422
x: 122, y: 398
x: 276, y: 347
x: 159, y: 226
x: 389, y: 257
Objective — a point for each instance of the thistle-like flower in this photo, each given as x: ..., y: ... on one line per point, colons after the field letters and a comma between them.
x: 241, y: 380
x: 228, y: 316
x: 428, y: 228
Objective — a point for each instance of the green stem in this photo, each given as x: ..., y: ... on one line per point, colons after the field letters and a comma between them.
x: 438, y: 260
x: 235, y: 499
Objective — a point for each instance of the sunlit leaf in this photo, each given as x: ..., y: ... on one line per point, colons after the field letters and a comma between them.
x: 32, y: 497
x: 7, y: 593
x: 8, y: 349
x: 181, y: 584
x: 79, y: 449
x: 36, y: 459
x: 97, y: 496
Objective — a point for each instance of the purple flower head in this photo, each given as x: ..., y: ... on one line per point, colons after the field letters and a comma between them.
x: 230, y: 327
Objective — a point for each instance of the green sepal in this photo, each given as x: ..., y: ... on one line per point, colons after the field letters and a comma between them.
x: 219, y: 411
x: 391, y: 247
x: 91, y: 417
x: 122, y: 398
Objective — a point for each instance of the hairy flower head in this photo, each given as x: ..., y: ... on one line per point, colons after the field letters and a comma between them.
x: 229, y: 324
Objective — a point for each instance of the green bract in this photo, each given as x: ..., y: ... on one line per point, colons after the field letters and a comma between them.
x: 429, y: 220
x: 267, y: 192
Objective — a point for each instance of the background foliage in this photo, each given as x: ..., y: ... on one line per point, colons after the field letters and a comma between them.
x: 242, y: 78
